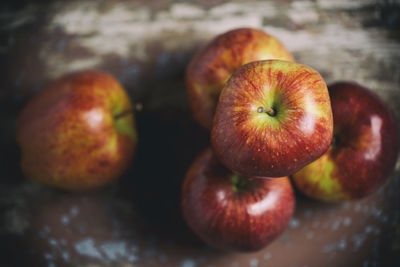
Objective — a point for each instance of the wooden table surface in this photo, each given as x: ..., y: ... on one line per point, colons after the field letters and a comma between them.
x: 147, y: 45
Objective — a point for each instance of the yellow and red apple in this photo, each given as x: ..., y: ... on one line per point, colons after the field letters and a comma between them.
x: 212, y: 66
x: 273, y: 118
x: 364, y: 148
x: 77, y: 133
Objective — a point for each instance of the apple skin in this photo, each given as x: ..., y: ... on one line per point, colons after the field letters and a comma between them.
x: 256, y: 144
x: 212, y: 66
x: 69, y: 135
x: 243, y: 215
x: 364, y: 150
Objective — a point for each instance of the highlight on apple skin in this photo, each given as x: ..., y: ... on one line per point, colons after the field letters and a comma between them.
x: 273, y: 118
x: 363, y: 152
x: 212, y: 66
x: 77, y: 133
x: 231, y: 212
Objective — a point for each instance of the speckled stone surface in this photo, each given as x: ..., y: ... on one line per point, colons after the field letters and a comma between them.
x: 147, y: 45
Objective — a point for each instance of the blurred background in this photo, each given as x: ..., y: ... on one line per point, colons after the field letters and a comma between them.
x: 147, y: 45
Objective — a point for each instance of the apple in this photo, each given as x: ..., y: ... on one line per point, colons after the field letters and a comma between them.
x: 212, y: 66
x: 364, y: 148
x: 232, y: 212
x: 273, y: 118
x: 78, y: 132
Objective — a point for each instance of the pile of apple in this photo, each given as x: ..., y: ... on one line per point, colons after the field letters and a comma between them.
x: 269, y: 117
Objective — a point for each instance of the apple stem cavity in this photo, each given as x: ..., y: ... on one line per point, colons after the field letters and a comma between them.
x: 269, y: 111
x: 240, y: 183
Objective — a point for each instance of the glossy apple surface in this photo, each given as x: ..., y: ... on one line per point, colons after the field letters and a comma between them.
x: 364, y: 148
x: 75, y: 134
x: 273, y: 118
x: 231, y: 212
x: 214, y: 64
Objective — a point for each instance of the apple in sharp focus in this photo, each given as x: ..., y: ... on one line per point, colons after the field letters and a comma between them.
x: 214, y: 64
x: 231, y: 212
x: 273, y: 118
x: 364, y: 148
x: 78, y: 132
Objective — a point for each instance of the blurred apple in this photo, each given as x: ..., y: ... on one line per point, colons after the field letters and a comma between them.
x: 214, y: 64
x: 232, y: 212
x: 77, y: 133
x: 364, y: 148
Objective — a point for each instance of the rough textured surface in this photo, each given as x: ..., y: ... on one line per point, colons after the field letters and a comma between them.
x: 146, y: 45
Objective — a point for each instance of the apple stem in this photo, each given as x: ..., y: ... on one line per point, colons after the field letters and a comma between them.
x: 137, y: 107
x: 124, y: 113
x: 269, y: 111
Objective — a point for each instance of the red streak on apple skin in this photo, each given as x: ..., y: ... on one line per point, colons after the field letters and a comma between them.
x: 65, y: 132
x: 247, y: 220
x: 367, y: 134
x: 214, y: 64
x: 298, y: 136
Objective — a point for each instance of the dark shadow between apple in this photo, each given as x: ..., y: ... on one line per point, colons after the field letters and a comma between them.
x: 169, y: 140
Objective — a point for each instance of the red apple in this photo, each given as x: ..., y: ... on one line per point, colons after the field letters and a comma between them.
x: 214, y: 64
x: 78, y: 132
x: 364, y: 148
x: 273, y: 118
x: 232, y: 212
